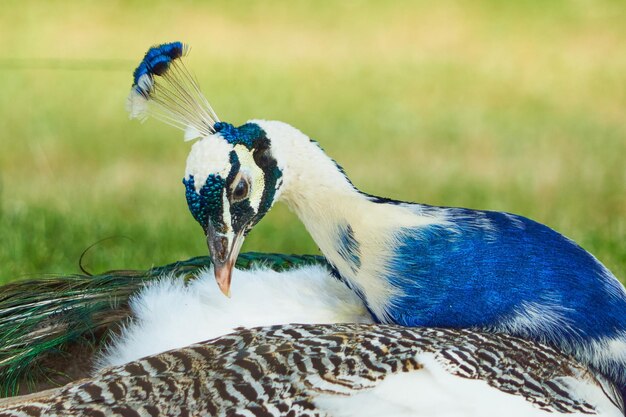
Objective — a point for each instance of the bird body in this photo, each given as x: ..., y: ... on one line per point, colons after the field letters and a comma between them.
x: 162, y: 364
x: 411, y: 264
x: 448, y: 307
x: 420, y: 265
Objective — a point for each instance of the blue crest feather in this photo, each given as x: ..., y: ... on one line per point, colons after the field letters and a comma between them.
x: 157, y: 61
x: 165, y: 89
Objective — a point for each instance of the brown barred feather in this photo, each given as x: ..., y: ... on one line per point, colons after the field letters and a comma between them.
x: 279, y: 370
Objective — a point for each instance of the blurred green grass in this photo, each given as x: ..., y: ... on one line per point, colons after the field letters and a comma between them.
x: 514, y: 106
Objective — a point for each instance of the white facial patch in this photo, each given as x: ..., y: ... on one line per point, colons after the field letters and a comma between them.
x: 137, y: 104
x: 254, y: 173
x: 210, y: 155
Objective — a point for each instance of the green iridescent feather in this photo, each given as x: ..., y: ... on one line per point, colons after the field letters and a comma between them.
x: 57, y: 316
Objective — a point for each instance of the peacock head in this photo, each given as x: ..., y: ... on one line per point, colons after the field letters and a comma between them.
x: 231, y: 177
x: 231, y: 182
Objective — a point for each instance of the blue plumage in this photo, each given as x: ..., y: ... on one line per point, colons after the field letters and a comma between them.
x: 157, y: 61
x: 480, y: 269
x: 206, y: 203
x: 243, y: 135
x: 503, y: 272
x: 348, y: 247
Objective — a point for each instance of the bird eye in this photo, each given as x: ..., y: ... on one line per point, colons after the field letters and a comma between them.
x: 241, y: 190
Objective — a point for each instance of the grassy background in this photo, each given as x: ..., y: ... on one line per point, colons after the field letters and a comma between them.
x: 515, y: 106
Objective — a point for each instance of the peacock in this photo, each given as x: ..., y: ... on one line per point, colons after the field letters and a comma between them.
x: 412, y: 264
x: 382, y: 362
x: 336, y: 362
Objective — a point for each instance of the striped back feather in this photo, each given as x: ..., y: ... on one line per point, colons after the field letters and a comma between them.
x: 282, y: 370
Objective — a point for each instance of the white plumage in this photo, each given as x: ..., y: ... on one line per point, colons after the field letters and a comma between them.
x: 172, y: 314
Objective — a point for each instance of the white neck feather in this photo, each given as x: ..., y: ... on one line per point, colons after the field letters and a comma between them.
x: 311, y: 180
x: 324, y: 199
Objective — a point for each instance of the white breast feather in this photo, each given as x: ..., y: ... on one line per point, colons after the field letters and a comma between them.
x: 169, y: 314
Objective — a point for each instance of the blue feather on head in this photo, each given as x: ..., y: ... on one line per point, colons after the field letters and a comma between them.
x: 156, y: 62
x: 165, y: 89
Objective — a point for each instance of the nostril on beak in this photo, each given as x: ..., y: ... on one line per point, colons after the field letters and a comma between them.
x: 221, y: 248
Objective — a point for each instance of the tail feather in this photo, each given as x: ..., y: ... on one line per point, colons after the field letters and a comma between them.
x: 54, y: 316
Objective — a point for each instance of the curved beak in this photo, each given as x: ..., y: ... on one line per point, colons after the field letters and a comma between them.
x: 224, y: 252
